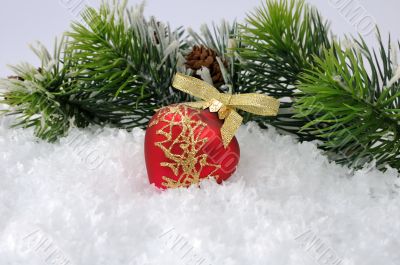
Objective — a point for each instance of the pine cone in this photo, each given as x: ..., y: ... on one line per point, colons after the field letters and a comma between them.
x: 203, y: 56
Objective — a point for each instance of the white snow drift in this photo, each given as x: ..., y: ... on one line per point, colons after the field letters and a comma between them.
x: 87, y: 201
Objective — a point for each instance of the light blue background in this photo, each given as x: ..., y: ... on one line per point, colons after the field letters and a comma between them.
x: 25, y: 21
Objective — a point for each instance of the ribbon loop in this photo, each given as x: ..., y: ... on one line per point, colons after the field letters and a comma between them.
x: 225, y: 104
x: 225, y: 98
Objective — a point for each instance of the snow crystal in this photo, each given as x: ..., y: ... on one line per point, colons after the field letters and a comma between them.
x: 87, y: 201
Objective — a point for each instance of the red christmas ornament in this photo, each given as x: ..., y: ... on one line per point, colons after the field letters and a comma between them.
x: 183, y: 145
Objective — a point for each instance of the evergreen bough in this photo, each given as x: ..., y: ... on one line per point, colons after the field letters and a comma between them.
x: 352, y: 101
x: 39, y: 97
x: 281, y: 40
x: 116, y: 67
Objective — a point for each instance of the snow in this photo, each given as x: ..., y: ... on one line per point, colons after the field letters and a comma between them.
x: 87, y: 201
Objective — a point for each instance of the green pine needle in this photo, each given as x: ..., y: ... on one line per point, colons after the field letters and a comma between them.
x: 39, y: 96
x: 115, y: 69
x: 351, y: 100
x: 125, y: 64
x: 281, y: 39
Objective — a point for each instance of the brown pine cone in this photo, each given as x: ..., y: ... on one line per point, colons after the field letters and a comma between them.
x: 203, y: 56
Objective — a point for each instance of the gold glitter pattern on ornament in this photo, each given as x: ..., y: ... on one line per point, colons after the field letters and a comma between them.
x: 188, y: 163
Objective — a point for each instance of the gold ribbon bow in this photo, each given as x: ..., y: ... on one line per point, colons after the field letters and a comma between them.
x: 225, y: 104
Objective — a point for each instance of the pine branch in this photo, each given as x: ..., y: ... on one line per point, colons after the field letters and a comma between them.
x: 352, y: 100
x: 116, y: 69
x: 125, y: 64
x: 37, y: 97
x: 281, y: 39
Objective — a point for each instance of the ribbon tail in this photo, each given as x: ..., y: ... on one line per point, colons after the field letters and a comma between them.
x: 197, y: 104
x: 256, y: 103
x: 195, y: 87
x: 230, y: 126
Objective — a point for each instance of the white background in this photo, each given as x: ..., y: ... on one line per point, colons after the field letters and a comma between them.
x: 23, y: 22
